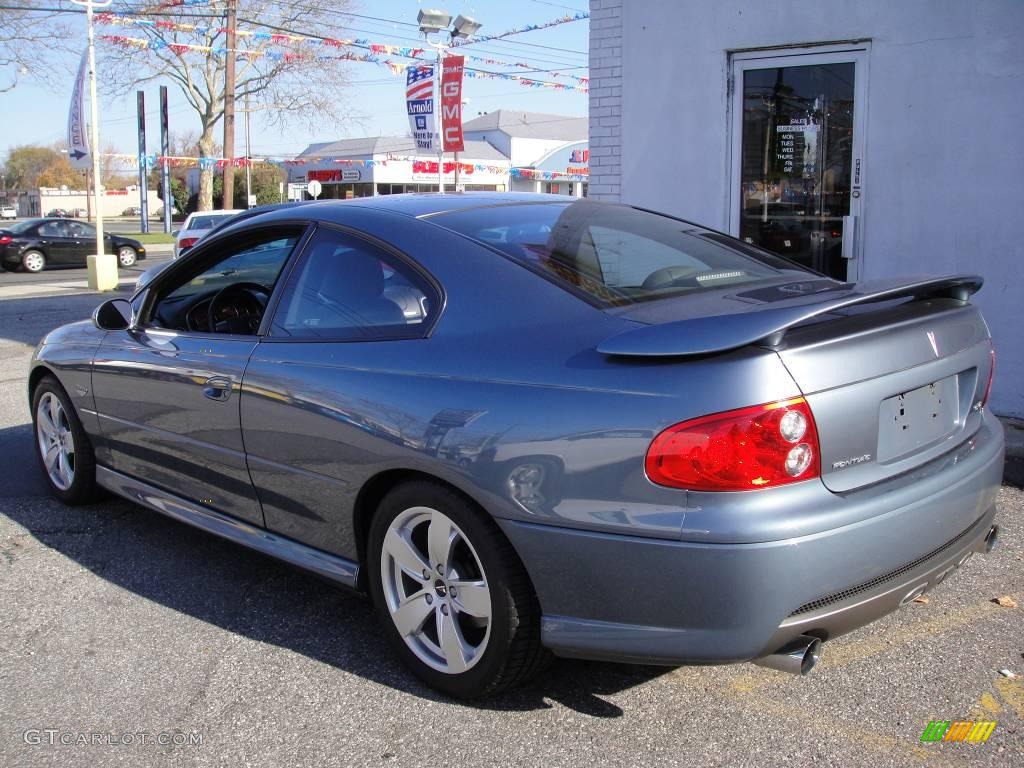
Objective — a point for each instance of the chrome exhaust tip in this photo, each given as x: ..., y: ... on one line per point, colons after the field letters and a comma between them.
x: 797, y: 657
x: 991, y: 538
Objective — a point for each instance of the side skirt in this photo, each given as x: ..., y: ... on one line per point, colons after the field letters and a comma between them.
x: 334, y: 568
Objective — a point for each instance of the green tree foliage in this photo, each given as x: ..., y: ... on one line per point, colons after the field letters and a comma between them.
x: 265, y: 181
x: 30, y: 166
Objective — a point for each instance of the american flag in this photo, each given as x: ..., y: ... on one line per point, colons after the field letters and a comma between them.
x: 419, y: 82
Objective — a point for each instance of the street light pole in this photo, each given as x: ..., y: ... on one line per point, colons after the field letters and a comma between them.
x: 436, y: 21
x: 437, y: 117
x: 100, y: 276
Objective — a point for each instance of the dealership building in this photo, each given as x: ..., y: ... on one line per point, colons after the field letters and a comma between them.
x: 504, y: 150
x: 865, y: 140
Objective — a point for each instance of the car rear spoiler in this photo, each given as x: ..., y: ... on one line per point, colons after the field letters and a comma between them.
x: 762, y: 322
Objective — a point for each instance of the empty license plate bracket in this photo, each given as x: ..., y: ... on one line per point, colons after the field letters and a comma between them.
x: 911, y: 420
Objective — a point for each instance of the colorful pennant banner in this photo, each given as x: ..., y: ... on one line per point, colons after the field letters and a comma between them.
x: 519, y: 30
x: 307, y: 42
x: 142, y: 43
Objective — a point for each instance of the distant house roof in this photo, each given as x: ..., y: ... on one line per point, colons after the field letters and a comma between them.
x: 530, y: 125
x: 399, y: 145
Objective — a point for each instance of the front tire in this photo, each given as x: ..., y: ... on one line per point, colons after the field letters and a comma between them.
x: 456, y: 603
x: 33, y: 261
x: 126, y: 256
x: 62, y: 446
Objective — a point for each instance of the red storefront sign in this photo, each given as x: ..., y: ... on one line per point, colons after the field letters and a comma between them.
x: 430, y: 167
x: 328, y: 175
x: 451, y: 103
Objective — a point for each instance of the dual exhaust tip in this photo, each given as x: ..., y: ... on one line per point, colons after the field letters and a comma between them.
x: 798, y: 657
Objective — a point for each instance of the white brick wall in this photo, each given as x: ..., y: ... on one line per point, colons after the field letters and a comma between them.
x: 605, y: 99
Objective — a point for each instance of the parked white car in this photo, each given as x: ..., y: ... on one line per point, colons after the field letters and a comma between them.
x: 8, y: 212
x: 196, y: 225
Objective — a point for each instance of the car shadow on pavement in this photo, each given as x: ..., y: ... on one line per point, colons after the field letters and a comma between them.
x: 248, y: 594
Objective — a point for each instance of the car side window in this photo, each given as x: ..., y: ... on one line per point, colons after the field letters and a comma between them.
x: 53, y: 229
x: 226, y: 291
x: 348, y: 289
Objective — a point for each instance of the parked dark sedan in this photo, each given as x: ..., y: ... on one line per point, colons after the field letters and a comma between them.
x: 38, y: 244
x: 529, y: 425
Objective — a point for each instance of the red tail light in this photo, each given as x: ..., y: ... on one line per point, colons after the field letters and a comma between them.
x: 187, y: 242
x: 988, y: 386
x: 749, y: 448
x: 5, y: 239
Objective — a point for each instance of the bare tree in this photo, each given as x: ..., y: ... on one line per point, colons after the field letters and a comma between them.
x: 298, y: 82
x: 31, y: 42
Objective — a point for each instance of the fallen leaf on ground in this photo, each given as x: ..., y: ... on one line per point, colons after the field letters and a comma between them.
x: 1005, y: 601
x: 920, y: 599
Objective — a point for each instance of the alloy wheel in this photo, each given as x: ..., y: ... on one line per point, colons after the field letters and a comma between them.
x: 126, y: 256
x: 436, y: 590
x: 56, y: 441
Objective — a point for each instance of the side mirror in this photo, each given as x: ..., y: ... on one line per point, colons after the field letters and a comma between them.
x: 113, y: 315
x: 174, y: 232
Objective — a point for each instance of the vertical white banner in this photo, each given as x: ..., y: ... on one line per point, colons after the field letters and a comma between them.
x: 419, y: 104
x: 78, y: 138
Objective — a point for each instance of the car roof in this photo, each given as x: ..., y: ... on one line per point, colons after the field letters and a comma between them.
x: 431, y: 203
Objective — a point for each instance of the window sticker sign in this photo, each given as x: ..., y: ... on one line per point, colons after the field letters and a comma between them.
x: 419, y: 104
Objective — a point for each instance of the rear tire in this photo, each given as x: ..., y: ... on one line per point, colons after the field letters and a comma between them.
x: 33, y: 261
x: 62, y: 446
x: 468, y: 626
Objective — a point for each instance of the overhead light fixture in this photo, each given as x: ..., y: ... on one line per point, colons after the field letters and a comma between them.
x: 433, y: 20
x: 465, y: 26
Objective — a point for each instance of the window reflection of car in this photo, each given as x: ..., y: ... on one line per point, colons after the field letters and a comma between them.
x: 779, y: 227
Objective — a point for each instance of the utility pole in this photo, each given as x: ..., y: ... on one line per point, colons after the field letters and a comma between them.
x: 229, y: 108
x: 248, y: 157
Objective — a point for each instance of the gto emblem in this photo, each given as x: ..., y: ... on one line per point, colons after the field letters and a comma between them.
x: 850, y: 462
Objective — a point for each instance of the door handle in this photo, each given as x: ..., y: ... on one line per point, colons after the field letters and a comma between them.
x: 217, y: 388
x: 849, y: 237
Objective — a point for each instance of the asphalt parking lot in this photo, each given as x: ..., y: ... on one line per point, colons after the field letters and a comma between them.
x: 122, y: 623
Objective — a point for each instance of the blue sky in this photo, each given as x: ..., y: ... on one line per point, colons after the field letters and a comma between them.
x: 376, y: 93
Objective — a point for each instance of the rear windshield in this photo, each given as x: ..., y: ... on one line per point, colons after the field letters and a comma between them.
x: 22, y: 226
x: 614, y: 254
x: 205, y: 222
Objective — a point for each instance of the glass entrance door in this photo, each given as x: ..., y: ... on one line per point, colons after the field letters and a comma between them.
x: 797, y: 168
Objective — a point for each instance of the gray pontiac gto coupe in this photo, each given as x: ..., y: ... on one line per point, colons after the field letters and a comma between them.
x: 529, y: 425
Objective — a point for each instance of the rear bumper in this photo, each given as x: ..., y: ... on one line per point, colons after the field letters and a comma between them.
x: 632, y: 599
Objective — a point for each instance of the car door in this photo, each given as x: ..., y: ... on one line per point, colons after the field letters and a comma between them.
x: 82, y: 242
x: 315, y: 411
x: 167, y: 388
x: 56, y: 242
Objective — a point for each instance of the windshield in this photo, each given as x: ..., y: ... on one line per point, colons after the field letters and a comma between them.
x: 615, y: 254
